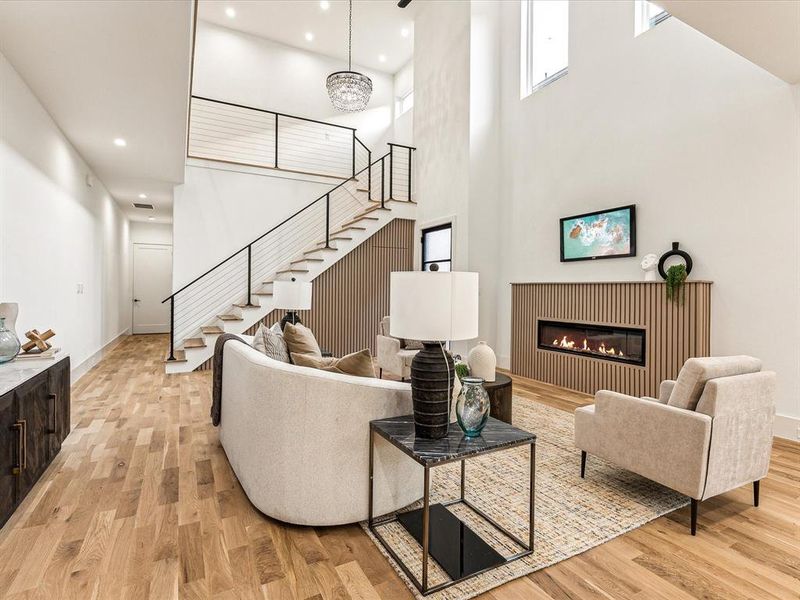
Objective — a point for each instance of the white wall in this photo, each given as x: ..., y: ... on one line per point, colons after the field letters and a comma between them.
x: 246, y: 69
x: 57, y: 233
x: 485, y: 184
x: 145, y: 232
x: 441, y: 119
x: 219, y: 211
x: 403, y: 129
x: 704, y: 142
x: 706, y: 145
x: 456, y: 132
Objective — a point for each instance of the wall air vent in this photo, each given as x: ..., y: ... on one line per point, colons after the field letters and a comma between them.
x: 141, y: 205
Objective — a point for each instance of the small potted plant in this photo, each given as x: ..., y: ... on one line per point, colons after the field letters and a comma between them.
x: 676, y: 276
x: 462, y: 369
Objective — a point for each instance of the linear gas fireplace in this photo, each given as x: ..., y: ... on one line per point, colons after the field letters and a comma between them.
x: 605, y: 342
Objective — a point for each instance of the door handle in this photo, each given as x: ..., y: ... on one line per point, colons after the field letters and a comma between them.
x: 136, y: 300
x: 18, y: 427
x: 24, y: 444
x: 54, y: 398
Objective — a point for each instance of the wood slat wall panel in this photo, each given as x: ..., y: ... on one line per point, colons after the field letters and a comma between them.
x: 350, y: 298
x: 675, y: 332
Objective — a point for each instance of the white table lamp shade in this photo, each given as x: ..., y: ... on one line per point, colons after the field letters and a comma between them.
x: 292, y: 295
x: 433, y: 305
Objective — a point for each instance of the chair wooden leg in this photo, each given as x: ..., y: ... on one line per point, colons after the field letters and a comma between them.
x: 380, y: 373
x: 756, y: 490
x: 694, y: 516
x: 583, y: 463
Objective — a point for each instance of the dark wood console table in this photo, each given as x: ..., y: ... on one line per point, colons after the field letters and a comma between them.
x: 34, y: 420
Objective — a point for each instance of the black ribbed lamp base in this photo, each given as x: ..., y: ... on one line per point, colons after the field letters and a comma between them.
x: 430, y: 392
x: 290, y: 317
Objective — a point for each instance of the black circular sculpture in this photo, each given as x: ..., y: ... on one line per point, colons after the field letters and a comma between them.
x: 674, y: 252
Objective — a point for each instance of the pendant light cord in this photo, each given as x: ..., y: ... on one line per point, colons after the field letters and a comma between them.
x: 350, y: 40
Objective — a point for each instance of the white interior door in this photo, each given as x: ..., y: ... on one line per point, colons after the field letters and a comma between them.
x: 152, y: 282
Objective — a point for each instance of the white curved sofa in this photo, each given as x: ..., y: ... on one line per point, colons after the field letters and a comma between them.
x: 298, y: 440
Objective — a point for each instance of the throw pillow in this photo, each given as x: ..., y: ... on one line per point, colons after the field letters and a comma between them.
x: 271, y: 344
x: 357, y: 363
x: 300, y: 340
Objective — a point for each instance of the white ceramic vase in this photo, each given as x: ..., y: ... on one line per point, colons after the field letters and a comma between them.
x: 9, y: 311
x: 482, y: 362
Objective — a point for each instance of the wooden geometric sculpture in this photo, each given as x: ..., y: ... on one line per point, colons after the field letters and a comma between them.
x: 37, y: 340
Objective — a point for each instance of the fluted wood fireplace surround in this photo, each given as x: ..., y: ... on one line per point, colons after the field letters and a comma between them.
x: 622, y: 336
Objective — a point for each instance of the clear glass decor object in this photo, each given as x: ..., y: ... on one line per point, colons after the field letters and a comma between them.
x: 9, y: 343
x: 472, y: 406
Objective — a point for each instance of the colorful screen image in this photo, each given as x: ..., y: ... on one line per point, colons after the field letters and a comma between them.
x: 603, y: 234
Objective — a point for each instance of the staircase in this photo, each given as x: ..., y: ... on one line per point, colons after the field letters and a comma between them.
x: 236, y: 293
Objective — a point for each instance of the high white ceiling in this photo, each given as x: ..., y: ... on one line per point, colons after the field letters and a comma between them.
x: 105, y: 70
x: 766, y: 32
x: 377, y: 26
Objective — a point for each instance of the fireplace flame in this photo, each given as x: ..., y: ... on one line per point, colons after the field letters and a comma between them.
x: 571, y: 345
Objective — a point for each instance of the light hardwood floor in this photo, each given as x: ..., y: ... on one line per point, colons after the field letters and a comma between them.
x: 141, y: 503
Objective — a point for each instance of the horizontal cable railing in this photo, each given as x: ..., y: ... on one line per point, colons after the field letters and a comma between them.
x: 245, y: 135
x: 237, y: 279
x: 401, y: 159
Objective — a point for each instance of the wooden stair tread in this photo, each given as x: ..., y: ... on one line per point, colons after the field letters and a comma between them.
x: 262, y: 293
x: 211, y: 330
x: 180, y: 356
x: 308, y: 259
x: 194, y: 343
x: 293, y: 271
x: 362, y: 218
x: 229, y: 318
x: 371, y: 209
x: 245, y: 305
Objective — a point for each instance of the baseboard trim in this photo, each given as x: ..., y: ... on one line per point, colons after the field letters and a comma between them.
x: 80, y: 370
x: 787, y: 427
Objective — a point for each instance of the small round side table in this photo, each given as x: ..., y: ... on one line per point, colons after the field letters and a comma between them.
x: 499, y: 392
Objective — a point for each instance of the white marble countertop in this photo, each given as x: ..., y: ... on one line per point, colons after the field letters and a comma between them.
x: 16, y: 372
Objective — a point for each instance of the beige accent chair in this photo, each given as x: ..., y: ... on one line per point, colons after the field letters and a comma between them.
x: 708, y: 432
x: 392, y: 356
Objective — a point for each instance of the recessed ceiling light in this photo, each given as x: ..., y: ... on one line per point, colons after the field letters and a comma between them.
x: 404, y: 32
x: 309, y: 36
x: 143, y: 196
x: 120, y: 142
x: 324, y: 5
x: 382, y: 57
x: 151, y: 218
x: 230, y: 12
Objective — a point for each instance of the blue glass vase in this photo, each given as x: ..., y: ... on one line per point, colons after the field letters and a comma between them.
x: 9, y: 343
x: 472, y: 406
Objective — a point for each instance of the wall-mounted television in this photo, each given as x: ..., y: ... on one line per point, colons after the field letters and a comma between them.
x: 607, y: 233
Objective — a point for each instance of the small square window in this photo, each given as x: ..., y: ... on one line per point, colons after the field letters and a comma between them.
x: 646, y: 16
x: 404, y: 104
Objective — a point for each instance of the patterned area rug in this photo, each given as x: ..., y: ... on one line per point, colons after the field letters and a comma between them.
x: 572, y: 514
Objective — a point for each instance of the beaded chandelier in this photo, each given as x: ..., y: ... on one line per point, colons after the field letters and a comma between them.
x: 349, y: 90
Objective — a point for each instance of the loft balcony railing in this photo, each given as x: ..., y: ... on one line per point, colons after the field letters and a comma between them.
x: 299, y: 145
x: 244, y: 135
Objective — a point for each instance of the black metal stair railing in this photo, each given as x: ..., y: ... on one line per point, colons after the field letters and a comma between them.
x: 234, y: 279
x: 234, y: 133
